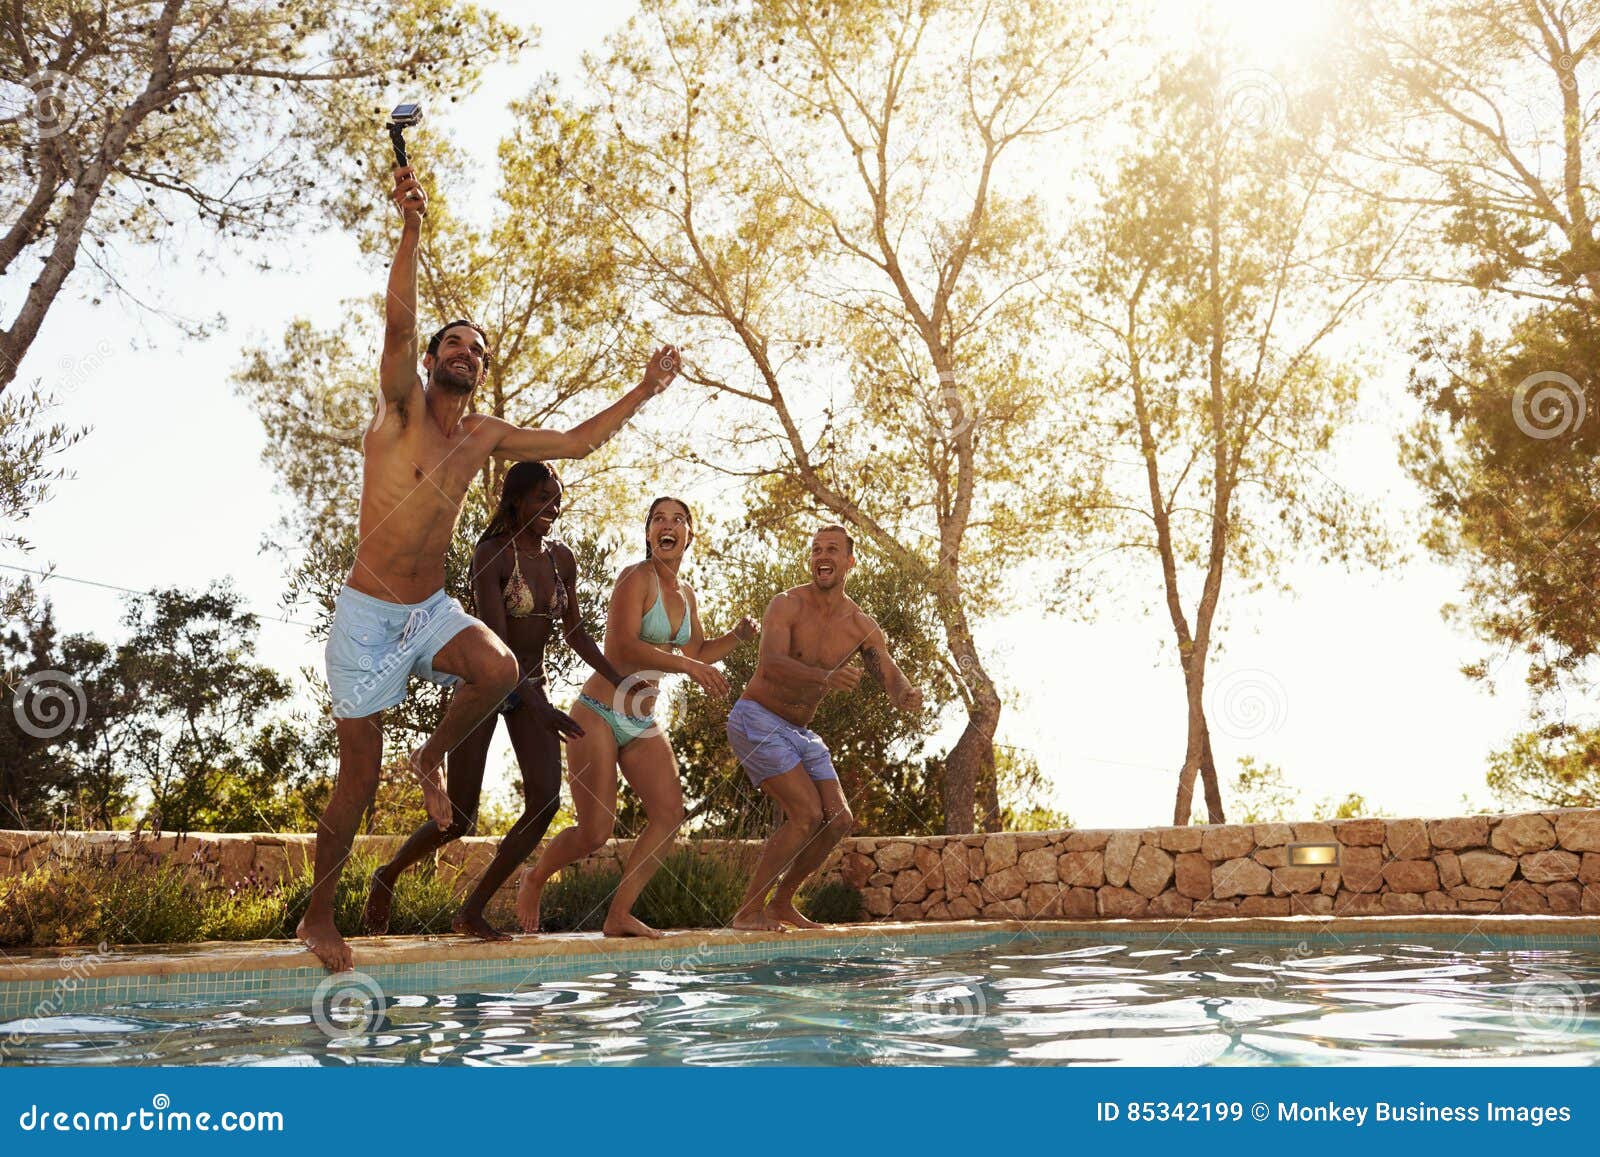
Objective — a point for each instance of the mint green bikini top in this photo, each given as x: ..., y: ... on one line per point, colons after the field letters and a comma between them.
x: 656, y: 627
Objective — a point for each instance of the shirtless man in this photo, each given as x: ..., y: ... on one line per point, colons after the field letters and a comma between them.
x: 808, y: 635
x: 393, y: 618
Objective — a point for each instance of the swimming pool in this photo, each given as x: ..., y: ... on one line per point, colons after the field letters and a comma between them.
x: 982, y: 998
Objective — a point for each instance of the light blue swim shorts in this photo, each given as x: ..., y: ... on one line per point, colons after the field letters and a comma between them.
x: 375, y: 646
x: 767, y: 745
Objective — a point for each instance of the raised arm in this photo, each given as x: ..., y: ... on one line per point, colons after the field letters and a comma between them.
x: 519, y: 444
x: 397, y: 367
x: 572, y: 628
x: 875, y: 653
x: 717, y: 649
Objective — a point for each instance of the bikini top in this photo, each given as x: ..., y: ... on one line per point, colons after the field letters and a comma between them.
x: 656, y: 627
x: 518, y: 594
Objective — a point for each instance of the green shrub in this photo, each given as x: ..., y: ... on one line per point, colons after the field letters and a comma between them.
x: 833, y: 902
x: 248, y: 913
x: 691, y: 890
x: 49, y: 905
x: 144, y: 904
x: 87, y: 901
x: 423, y: 901
x: 576, y: 900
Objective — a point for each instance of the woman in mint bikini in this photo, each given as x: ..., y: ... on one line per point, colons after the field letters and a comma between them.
x: 652, y: 629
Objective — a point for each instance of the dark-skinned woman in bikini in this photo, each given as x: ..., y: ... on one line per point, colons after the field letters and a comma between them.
x: 524, y: 584
x: 652, y: 629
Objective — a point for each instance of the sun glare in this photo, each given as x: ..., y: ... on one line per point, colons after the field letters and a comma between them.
x: 1267, y: 32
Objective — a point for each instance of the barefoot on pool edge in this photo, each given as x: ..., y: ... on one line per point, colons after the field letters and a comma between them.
x: 755, y: 921
x: 628, y: 925
x: 473, y: 924
x: 324, y: 940
x: 787, y: 913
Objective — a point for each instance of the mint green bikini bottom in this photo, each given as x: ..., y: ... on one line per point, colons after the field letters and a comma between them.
x: 626, y: 728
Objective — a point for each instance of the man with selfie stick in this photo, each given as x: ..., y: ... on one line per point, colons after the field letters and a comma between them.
x: 393, y: 618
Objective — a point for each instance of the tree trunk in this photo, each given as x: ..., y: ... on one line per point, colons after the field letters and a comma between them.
x: 1208, y: 776
x: 1194, y: 751
x: 988, y: 792
x: 964, y: 770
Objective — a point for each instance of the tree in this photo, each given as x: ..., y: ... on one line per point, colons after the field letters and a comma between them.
x: 1555, y: 766
x: 1222, y: 262
x: 28, y: 444
x: 40, y: 704
x: 196, y: 697
x: 1490, y: 133
x: 834, y: 202
x: 1494, y: 139
x: 1512, y: 476
x: 880, y: 753
x: 120, y: 117
x: 1023, y: 791
x: 1260, y: 795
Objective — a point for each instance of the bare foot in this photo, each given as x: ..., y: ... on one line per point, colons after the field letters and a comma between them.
x: 323, y: 939
x: 528, y: 902
x: 785, y: 912
x: 380, y: 898
x: 434, y: 797
x: 629, y: 925
x: 747, y: 920
x: 473, y: 924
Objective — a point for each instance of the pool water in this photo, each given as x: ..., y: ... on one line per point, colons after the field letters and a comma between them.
x: 1314, y: 1002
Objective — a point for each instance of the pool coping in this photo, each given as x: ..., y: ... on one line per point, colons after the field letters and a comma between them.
x: 389, y: 951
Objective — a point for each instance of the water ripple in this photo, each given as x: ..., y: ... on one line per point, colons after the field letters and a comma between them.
x: 1356, y: 1004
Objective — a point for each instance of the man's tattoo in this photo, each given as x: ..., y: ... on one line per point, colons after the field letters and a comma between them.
x: 874, y: 664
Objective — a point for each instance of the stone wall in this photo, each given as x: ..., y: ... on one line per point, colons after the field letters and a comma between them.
x: 1539, y: 862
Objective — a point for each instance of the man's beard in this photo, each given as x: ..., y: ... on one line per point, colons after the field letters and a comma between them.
x: 452, y: 381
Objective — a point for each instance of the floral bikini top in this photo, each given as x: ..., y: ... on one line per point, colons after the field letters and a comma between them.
x: 518, y: 593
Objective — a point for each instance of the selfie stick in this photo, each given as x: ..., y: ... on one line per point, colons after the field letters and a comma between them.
x: 403, y: 117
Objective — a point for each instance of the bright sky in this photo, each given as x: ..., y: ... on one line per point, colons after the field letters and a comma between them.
x: 1351, y: 686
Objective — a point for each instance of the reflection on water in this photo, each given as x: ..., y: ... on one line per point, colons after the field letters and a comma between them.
x: 1017, y: 1004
